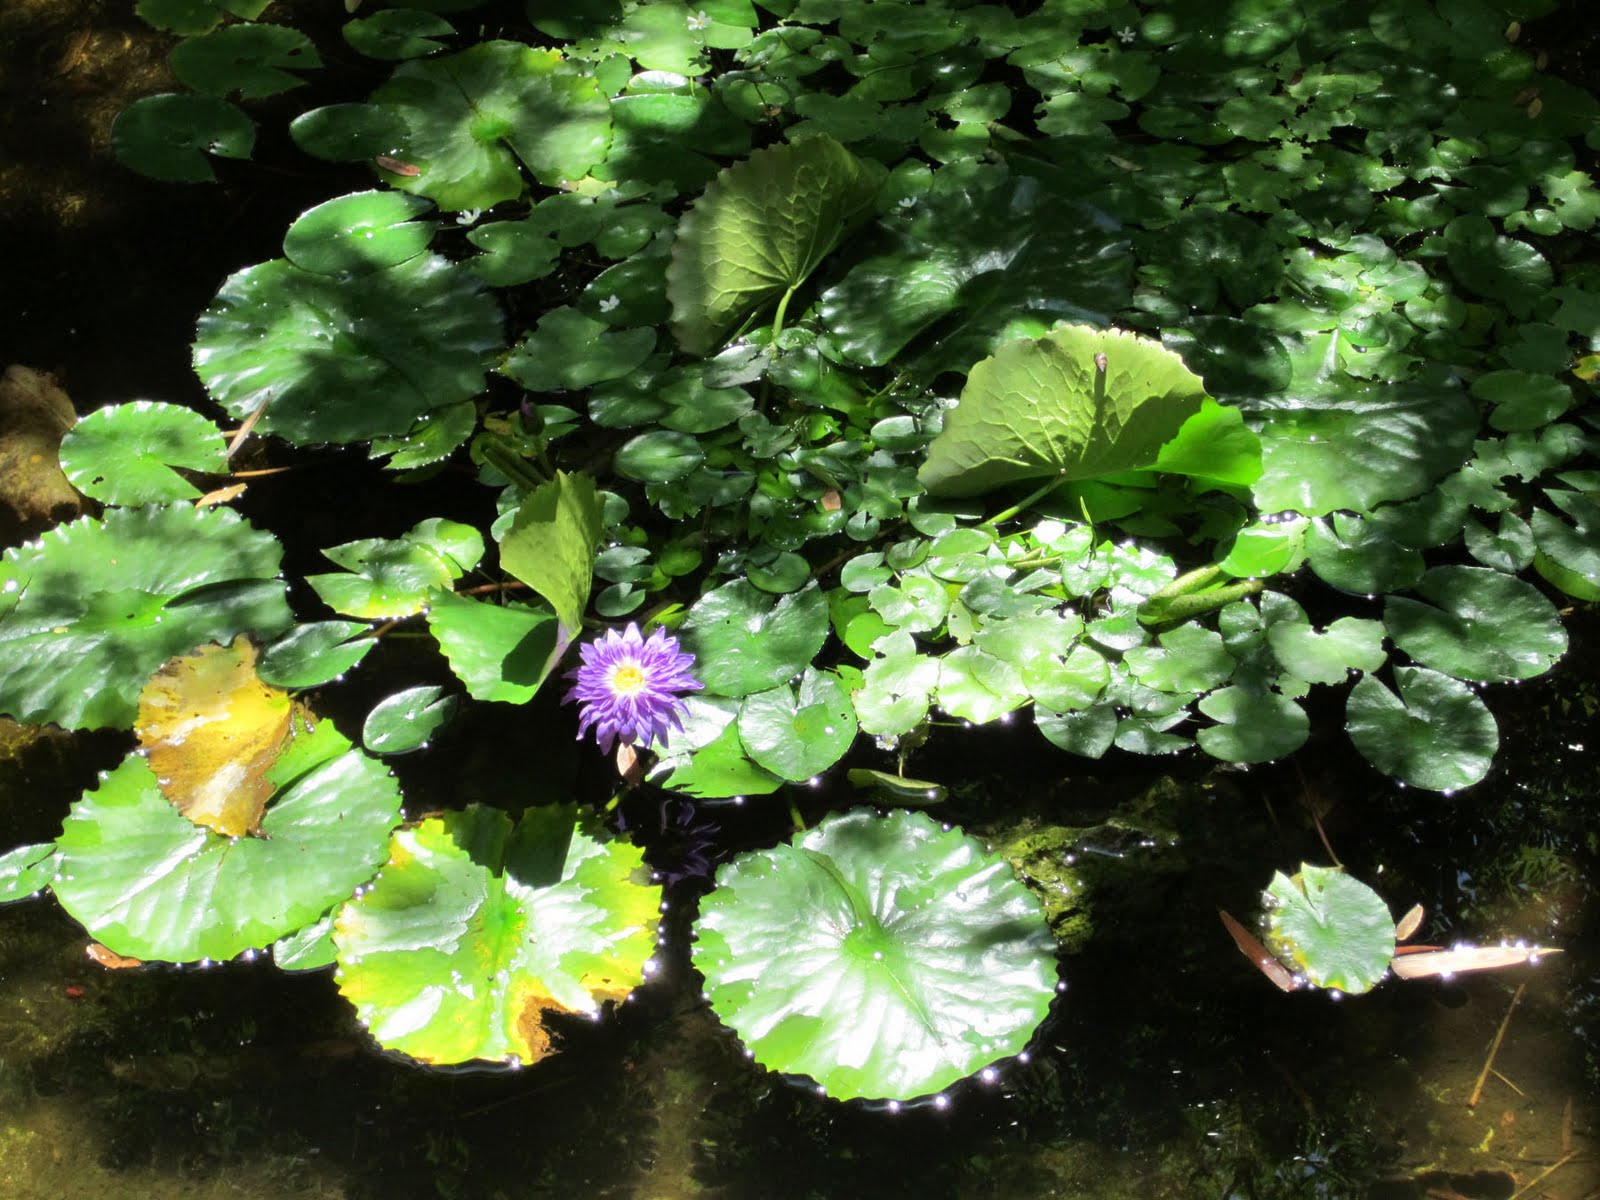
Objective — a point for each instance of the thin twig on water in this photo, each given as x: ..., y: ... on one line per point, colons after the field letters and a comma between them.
x: 1494, y: 1048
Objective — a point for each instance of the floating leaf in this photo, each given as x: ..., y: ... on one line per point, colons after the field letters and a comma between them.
x: 1435, y: 734
x: 307, y: 949
x: 473, y: 120
x: 314, y: 654
x: 570, y: 352
x: 391, y: 578
x: 168, y: 137
x: 147, y: 882
x: 745, y: 640
x: 344, y: 360
x: 799, y: 732
x: 254, y: 60
x: 1360, y: 446
x: 125, y: 453
x: 358, y: 233
x: 189, y: 17
x: 759, y: 230
x: 397, y: 33
x: 211, y: 731
x: 1252, y: 725
x: 407, y: 719
x: 989, y: 246
x: 1047, y: 407
x: 551, y: 546
x: 349, y: 132
x: 477, y: 934
x: 1327, y: 656
x: 1334, y: 930
x: 92, y: 609
x: 720, y: 769
x: 881, y: 957
x: 26, y: 871
x: 1481, y: 625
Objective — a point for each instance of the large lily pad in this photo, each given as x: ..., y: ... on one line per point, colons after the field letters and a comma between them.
x: 1359, y: 446
x: 881, y: 957
x: 168, y: 137
x: 476, y: 933
x: 474, y: 120
x: 759, y: 229
x: 745, y: 640
x: 344, y: 360
x: 148, y: 882
x: 256, y: 61
x: 989, y: 246
x: 1481, y: 625
x: 1435, y: 734
x: 125, y: 453
x: 1333, y: 930
x: 91, y: 610
x: 358, y: 233
x: 1076, y: 403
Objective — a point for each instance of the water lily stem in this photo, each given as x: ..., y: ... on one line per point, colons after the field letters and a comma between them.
x: 777, y: 318
x: 1042, y: 490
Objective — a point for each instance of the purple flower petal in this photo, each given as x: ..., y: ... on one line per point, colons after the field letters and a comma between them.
x: 630, y: 689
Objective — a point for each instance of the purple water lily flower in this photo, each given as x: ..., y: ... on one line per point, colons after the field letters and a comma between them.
x: 631, y: 689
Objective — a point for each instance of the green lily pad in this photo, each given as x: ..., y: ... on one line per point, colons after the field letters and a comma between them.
x: 92, y: 609
x: 168, y: 137
x: 344, y: 360
x: 720, y: 769
x: 1480, y: 625
x: 659, y: 456
x: 1045, y: 407
x: 798, y: 733
x: 475, y: 119
x: 390, y: 578
x: 349, y: 132
x: 397, y: 33
x: 1333, y: 930
x: 988, y: 246
x: 407, y: 719
x: 514, y: 252
x: 476, y: 934
x: 880, y: 957
x: 187, y: 18
x: 1359, y: 446
x: 254, y: 60
x: 501, y: 652
x: 26, y: 871
x: 359, y: 233
x: 745, y: 640
x: 149, y: 883
x: 1521, y: 399
x: 313, y: 654
x: 1356, y: 555
x: 1435, y: 734
x: 1327, y: 656
x: 1252, y: 725
x: 759, y: 230
x: 309, y: 948
x: 125, y: 453
x: 569, y: 352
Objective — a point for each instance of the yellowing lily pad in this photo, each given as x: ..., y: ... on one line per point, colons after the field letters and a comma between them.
x: 477, y: 932
x: 211, y: 731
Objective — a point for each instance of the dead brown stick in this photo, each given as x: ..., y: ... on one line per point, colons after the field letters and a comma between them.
x: 1494, y: 1048
x: 244, y: 430
x: 1543, y: 1175
x: 1509, y: 1084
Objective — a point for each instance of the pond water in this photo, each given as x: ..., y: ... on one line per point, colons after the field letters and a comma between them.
x: 1168, y: 1067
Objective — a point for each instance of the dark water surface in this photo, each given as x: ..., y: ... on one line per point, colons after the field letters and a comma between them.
x: 1169, y: 1068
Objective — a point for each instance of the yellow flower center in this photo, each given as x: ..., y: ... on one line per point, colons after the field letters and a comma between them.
x: 628, y: 679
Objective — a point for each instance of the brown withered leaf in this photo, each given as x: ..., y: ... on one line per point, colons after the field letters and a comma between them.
x: 212, y: 730
x: 34, y: 494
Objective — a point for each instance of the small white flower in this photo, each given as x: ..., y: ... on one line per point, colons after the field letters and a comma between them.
x: 700, y: 20
x: 469, y: 216
x: 1125, y: 36
x: 609, y: 304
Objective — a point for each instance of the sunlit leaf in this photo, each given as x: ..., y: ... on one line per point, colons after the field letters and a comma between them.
x: 477, y: 934
x: 880, y: 957
x: 1481, y: 625
x: 92, y: 609
x: 1334, y: 930
x: 745, y: 640
x: 551, y: 546
x: 1047, y: 407
x: 211, y: 731
x: 1435, y: 734
x: 358, y: 233
x: 147, y: 882
x: 125, y: 453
